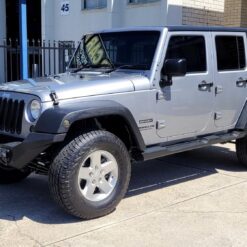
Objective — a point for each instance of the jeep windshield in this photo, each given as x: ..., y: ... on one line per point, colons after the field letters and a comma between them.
x: 116, y: 50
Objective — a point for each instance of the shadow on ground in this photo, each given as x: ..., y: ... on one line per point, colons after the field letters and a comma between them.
x: 31, y: 198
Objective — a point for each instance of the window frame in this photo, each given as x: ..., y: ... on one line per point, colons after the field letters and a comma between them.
x: 155, y: 54
x: 84, y: 8
x: 139, y: 2
x: 237, y: 35
x: 191, y: 35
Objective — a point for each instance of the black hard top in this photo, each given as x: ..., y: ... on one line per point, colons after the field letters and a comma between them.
x: 206, y: 28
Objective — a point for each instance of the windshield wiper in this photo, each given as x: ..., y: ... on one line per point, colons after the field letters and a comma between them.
x: 89, y: 66
x: 110, y: 68
x: 130, y: 66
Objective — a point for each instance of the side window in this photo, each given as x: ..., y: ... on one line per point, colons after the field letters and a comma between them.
x: 230, y: 53
x: 191, y: 48
x: 94, y: 4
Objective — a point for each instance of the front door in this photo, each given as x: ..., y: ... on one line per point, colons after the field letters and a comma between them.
x: 230, y: 78
x: 185, y: 109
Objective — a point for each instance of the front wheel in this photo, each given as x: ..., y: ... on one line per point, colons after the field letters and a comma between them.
x: 90, y: 175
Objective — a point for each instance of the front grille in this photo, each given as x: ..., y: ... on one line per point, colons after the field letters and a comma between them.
x: 11, y: 114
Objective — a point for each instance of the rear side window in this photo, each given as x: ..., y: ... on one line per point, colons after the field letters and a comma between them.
x: 191, y: 48
x: 230, y: 53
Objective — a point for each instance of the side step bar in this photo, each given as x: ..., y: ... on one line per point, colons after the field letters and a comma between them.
x: 164, y: 150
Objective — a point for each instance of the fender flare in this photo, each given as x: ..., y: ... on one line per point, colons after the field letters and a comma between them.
x: 52, y: 119
x: 242, y: 120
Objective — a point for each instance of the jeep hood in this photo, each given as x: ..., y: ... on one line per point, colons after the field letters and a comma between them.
x: 69, y: 86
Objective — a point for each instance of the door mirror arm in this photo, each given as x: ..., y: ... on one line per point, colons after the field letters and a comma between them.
x: 172, y: 68
x: 165, y: 80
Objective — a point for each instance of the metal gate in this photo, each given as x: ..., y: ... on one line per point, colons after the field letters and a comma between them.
x: 45, y: 58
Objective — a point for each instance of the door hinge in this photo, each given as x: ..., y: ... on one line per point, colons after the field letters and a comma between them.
x: 218, y: 90
x: 160, y: 96
x: 217, y: 115
x: 160, y: 124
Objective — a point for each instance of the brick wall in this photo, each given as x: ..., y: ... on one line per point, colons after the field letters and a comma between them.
x: 244, y: 13
x: 203, y: 12
x: 233, y: 13
x: 215, y: 12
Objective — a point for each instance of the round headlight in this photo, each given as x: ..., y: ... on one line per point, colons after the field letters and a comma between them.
x: 35, y: 108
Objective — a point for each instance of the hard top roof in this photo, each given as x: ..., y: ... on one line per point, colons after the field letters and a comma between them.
x: 179, y: 28
x: 206, y: 28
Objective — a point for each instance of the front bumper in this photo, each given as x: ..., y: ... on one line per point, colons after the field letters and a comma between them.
x: 18, y: 154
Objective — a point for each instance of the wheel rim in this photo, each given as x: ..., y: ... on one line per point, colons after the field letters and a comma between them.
x: 98, y: 175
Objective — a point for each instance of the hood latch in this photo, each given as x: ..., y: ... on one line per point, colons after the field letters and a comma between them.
x: 54, y: 98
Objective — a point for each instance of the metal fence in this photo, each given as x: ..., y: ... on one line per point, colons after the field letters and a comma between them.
x: 44, y: 58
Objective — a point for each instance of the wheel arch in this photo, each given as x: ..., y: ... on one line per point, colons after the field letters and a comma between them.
x: 106, y: 115
x: 242, y: 120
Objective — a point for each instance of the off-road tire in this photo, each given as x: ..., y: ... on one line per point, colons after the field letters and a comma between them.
x: 11, y: 175
x: 241, y: 150
x: 63, y: 174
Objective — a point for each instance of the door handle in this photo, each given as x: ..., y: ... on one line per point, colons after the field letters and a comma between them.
x: 241, y: 82
x: 204, y: 86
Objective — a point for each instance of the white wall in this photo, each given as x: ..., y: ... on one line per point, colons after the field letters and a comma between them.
x: 174, y: 12
x: 149, y: 14
x: 72, y: 26
x: 47, y: 19
x: 2, y: 36
x: 117, y: 14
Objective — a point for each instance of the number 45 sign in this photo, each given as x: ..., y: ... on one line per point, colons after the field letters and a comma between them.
x: 65, y: 8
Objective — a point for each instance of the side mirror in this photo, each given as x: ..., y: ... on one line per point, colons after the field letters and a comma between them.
x: 171, y: 68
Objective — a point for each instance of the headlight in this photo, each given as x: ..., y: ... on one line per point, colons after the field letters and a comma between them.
x: 34, y: 109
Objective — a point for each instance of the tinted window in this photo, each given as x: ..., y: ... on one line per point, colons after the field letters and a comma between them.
x: 131, y: 48
x: 230, y: 53
x: 192, y: 48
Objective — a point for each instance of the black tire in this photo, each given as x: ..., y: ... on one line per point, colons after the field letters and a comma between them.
x: 241, y: 150
x: 63, y: 174
x: 11, y: 175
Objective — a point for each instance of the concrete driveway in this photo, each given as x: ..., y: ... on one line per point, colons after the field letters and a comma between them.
x: 196, y: 198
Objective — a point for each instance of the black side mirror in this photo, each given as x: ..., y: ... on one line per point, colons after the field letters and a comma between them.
x: 171, y: 68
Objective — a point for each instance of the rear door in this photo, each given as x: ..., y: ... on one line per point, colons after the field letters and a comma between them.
x: 230, y: 77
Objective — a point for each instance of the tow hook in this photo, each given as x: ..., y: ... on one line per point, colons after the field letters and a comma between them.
x: 4, y: 156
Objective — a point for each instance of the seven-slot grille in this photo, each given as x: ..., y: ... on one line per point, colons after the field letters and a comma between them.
x: 11, y: 114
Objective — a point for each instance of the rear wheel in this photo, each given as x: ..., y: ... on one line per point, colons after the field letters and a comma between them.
x: 241, y: 150
x: 11, y: 175
x: 90, y: 175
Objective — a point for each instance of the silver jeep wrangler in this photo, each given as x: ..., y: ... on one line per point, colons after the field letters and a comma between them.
x: 128, y: 95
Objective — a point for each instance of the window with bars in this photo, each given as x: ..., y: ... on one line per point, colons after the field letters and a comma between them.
x: 94, y: 4
x: 141, y: 1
